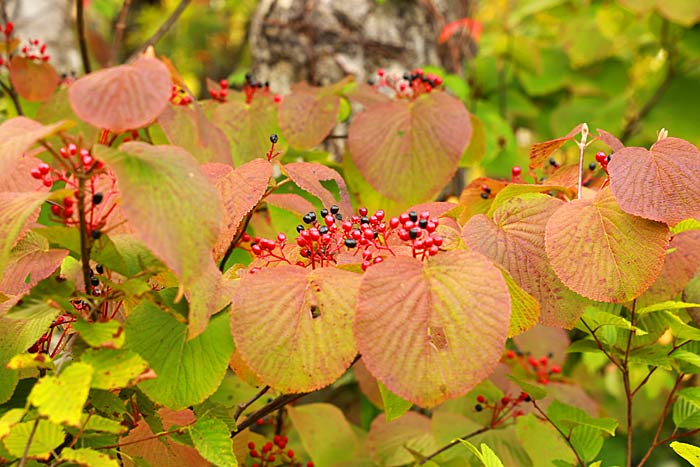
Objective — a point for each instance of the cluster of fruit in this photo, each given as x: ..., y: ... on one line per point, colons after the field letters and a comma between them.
x: 410, y: 84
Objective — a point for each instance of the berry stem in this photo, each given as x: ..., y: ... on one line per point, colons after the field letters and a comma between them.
x: 566, y: 437
x: 244, y: 405
x: 85, y: 244
x: 453, y: 443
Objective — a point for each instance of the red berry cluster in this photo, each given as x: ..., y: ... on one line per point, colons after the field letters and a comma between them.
x: 35, y: 50
x: 485, y: 191
x: 221, y: 93
x: 603, y: 160
x: 541, y: 368
x: 502, y: 410
x: 253, y: 87
x: 275, y: 453
x: 410, y: 85
x: 178, y: 96
x: 516, y: 172
x: 42, y: 345
x: 322, y: 238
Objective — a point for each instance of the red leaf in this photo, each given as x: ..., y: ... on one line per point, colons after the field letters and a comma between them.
x: 122, y: 97
x: 308, y: 176
x: 612, y: 141
x: 540, y: 152
x: 30, y: 262
x: 661, y: 184
x: 35, y: 82
x: 475, y: 29
x: 603, y: 253
x: 447, y: 318
x: 409, y: 150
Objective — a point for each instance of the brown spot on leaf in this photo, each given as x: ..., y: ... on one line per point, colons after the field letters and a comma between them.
x: 437, y: 337
x: 315, y: 311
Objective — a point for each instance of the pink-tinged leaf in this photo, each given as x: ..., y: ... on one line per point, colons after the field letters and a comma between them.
x: 609, y: 139
x: 436, y: 209
x: 291, y: 202
x: 448, y: 318
x: 566, y: 176
x: 308, y: 320
x: 123, y: 97
x: 603, y: 253
x: 367, y: 384
x: 515, y: 239
x: 680, y: 265
x: 166, y: 199
x: 189, y: 128
x: 389, y: 442
x: 661, y: 184
x: 540, y: 152
x: 248, y: 127
x: 474, y: 27
x: 366, y: 95
x: 18, y: 134
x: 161, y: 451
x: 57, y: 107
x: 319, y: 107
x: 15, y: 210
x: 471, y: 202
x: 410, y: 150
x: 309, y: 175
x: 30, y: 262
x: 541, y: 341
x: 241, y: 190
x: 525, y: 310
x: 18, y: 177
x: 33, y: 81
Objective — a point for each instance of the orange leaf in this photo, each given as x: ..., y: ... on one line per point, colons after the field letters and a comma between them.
x: 540, y: 152
x: 475, y: 29
x: 35, y: 82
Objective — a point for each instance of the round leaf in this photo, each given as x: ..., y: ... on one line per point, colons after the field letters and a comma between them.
x: 188, y: 371
x: 410, y: 150
x: 388, y: 440
x: 515, y: 240
x: 61, y: 398
x: 662, y: 184
x: 34, y: 81
x: 319, y: 108
x: 603, y: 253
x: 447, y: 318
x: 308, y: 320
x: 46, y: 438
x: 123, y: 97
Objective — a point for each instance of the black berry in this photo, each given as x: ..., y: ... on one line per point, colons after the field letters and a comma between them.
x: 339, y: 216
x: 485, y: 195
x: 273, y: 138
x: 350, y: 242
x: 323, y: 230
x: 97, y: 198
x: 423, y: 223
x: 478, y: 407
x: 414, y: 233
x: 553, y: 162
x: 96, y: 234
x: 100, y: 269
x: 335, y: 209
x: 413, y: 215
x: 364, y: 220
x: 94, y: 281
x: 324, y: 212
x: 592, y: 166
x: 300, y: 228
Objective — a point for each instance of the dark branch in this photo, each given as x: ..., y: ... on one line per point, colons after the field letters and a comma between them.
x: 163, y: 29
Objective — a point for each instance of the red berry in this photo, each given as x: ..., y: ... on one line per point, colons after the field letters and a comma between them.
x: 56, y: 209
x: 601, y: 157
x: 253, y: 453
x: 251, y: 445
x: 257, y: 250
x: 214, y: 93
x: 363, y: 211
x: 290, y: 453
x: 505, y: 400
x: 433, y: 250
x: 245, y: 237
x: 380, y: 72
x: 555, y: 369
x: 329, y: 219
x: 48, y: 183
x: 271, y: 458
x: 544, y: 361
x: 8, y: 28
x: 223, y: 83
x: 394, y: 222
x: 480, y: 398
x: 533, y: 361
x: 36, y: 174
x: 309, y: 464
x: 378, y: 260
x: 68, y: 212
x: 281, y: 238
x: 379, y: 214
x: 44, y: 168
x: 72, y: 149
x: 369, y: 234
x: 510, y: 354
x: 277, y: 98
x: 365, y: 265
x: 267, y: 447
x: 437, y: 240
x: 517, y: 170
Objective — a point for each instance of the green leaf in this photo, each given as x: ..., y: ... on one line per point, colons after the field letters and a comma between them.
x: 313, y: 315
x: 88, y: 458
x: 516, y: 190
x: 61, y: 398
x: 9, y: 419
x: 46, y: 300
x: 47, y: 437
x: 597, y: 318
x: 534, y: 391
x: 476, y: 150
x: 114, y: 368
x: 486, y: 456
x: 542, y: 442
x: 686, y: 409
x: 163, y: 192
x: 325, y: 433
x: 212, y: 439
x: 524, y: 309
x: 109, y: 334
x: 400, y: 441
x: 685, y: 226
x: 394, y: 406
x: 410, y: 150
x: 567, y: 416
x: 94, y: 422
x: 616, y: 269
x: 670, y: 305
x: 15, y: 210
x: 688, y: 452
x: 452, y: 312
x: 188, y: 371
x: 684, y: 12
x: 583, y: 346
x: 654, y: 356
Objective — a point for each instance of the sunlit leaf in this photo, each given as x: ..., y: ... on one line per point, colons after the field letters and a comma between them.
x: 688, y: 452
x: 525, y: 311
x: 88, y: 458
x: 114, y: 368
x: 47, y: 437
x: 188, y: 370
x: 61, y: 398
x: 189, y: 128
x: 662, y: 184
x: 471, y: 200
x: 540, y: 152
x: 476, y: 150
x: 123, y: 97
x: 34, y: 81
x: 394, y: 406
x: 410, y: 150
x: 163, y: 194
x: 686, y: 409
x: 542, y: 442
x: 109, y: 334
x: 212, y: 439
x: 515, y: 239
x: 448, y: 318
x: 602, y: 252
x: 309, y: 321
x: 325, y: 433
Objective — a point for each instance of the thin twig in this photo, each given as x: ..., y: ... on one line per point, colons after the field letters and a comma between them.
x: 654, y: 368
x: 626, y: 382
x: 566, y: 438
x: 453, y: 443
x: 119, y: 32
x: 244, y: 405
x: 655, y: 443
x: 84, y: 240
x: 82, y: 42
x: 236, y: 239
x: 155, y: 436
x: 23, y: 461
x: 600, y: 345
x: 163, y: 28
x: 10, y: 91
